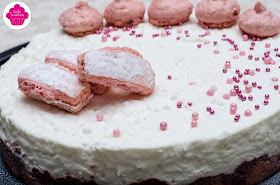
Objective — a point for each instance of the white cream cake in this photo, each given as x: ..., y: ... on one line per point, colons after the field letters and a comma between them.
x: 79, y: 146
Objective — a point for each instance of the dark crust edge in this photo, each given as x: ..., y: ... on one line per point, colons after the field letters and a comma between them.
x: 249, y: 172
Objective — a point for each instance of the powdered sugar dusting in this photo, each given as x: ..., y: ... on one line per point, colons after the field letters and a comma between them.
x: 119, y: 65
x: 45, y: 73
x: 65, y: 55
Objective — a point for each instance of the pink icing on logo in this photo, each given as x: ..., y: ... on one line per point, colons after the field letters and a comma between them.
x: 17, y: 15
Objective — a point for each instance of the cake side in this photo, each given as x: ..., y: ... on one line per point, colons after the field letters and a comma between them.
x: 249, y: 172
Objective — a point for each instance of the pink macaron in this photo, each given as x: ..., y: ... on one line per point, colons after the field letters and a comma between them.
x: 217, y: 13
x: 124, y: 13
x: 259, y: 22
x: 169, y: 12
x: 81, y: 20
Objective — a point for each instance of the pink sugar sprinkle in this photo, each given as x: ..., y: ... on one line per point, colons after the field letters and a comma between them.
x: 267, y: 60
x: 232, y: 92
x: 275, y: 79
x: 104, y: 38
x: 111, y: 29
x: 194, y: 123
x: 251, y: 72
x: 116, y: 133
x: 216, y: 51
x: 207, y: 32
x: 226, y: 96
x: 195, y: 116
x: 266, y: 96
x: 235, y: 57
x: 232, y: 110
x: 229, y: 81
x: 267, y: 45
x: 233, y: 105
x: 248, y: 113
x: 179, y: 30
x: 227, y: 65
x: 207, y: 42
x: 257, y: 107
x: 210, y: 92
x: 179, y: 104
x: 242, y: 53
x: 192, y: 83
x: 231, y: 49
x: 163, y: 34
x: 245, y: 37
x: 163, y: 126
x: 99, y: 117
x: 198, y: 45
x: 248, y: 88
x: 250, y: 97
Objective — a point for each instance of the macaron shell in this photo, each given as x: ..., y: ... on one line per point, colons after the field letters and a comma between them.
x: 124, y: 13
x: 81, y: 20
x: 217, y: 13
x: 169, y: 12
x: 259, y: 22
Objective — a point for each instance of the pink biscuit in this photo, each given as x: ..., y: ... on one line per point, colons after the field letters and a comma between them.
x: 118, y: 69
x: 259, y: 22
x: 54, y: 86
x: 217, y: 13
x: 81, y: 20
x: 124, y: 49
x: 124, y: 13
x: 169, y: 12
x: 68, y: 60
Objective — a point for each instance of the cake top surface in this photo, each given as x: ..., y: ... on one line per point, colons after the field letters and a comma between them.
x: 136, y: 116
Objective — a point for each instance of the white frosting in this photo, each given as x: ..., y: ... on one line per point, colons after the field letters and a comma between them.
x: 55, y: 78
x: 65, y: 55
x: 63, y: 143
x: 121, y: 66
